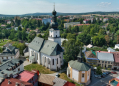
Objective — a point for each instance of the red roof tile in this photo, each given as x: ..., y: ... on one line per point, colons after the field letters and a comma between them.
x: 13, y: 82
x: 26, y: 75
x: 116, y: 56
x: 69, y: 84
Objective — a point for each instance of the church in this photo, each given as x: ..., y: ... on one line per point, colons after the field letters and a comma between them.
x: 48, y: 53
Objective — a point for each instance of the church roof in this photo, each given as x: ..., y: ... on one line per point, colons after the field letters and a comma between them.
x: 46, y: 46
x: 80, y: 66
x: 37, y: 43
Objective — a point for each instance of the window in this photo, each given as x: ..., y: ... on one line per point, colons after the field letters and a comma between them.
x: 56, y: 35
x: 48, y: 61
x: 82, y: 75
x: 53, y: 62
x: 105, y: 61
x: 18, y: 69
x: 57, y: 60
x: 99, y: 61
x: 108, y: 62
x: 102, y: 61
x: 33, y: 83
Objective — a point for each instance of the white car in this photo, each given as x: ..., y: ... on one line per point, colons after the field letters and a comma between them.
x: 99, y: 76
x: 96, y: 76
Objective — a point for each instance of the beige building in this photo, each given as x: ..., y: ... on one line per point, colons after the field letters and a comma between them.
x: 79, y: 71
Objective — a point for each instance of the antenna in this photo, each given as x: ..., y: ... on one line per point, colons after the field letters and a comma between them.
x: 54, y: 5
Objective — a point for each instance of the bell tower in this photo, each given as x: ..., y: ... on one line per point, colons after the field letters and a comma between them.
x: 54, y: 32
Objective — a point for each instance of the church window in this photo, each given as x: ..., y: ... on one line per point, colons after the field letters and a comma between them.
x: 57, y: 60
x: 82, y: 75
x: 53, y: 62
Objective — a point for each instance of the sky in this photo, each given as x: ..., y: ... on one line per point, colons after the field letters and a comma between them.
x: 18, y: 7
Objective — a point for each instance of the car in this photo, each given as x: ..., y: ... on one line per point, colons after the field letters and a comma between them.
x: 99, y: 76
x: 96, y: 76
x: 113, y: 72
x: 57, y: 75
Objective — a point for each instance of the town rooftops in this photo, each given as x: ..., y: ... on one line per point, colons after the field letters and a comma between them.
x: 14, y: 82
x: 59, y: 82
x: 47, y: 79
x: 80, y: 66
x: 69, y: 84
x: 117, y: 45
x: 91, y: 54
x: 26, y: 76
x: 116, y: 56
x: 105, y: 56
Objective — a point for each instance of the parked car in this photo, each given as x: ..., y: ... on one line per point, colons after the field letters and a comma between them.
x: 99, y: 76
x: 96, y: 76
x: 113, y: 72
x: 57, y: 75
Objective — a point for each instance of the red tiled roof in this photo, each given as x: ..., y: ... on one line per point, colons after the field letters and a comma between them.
x: 116, y: 56
x: 69, y: 84
x: 13, y: 82
x: 26, y: 75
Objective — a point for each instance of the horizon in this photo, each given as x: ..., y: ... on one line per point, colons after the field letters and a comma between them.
x: 21, y: 7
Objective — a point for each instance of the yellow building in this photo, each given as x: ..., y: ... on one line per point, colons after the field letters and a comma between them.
x: 79, y: 71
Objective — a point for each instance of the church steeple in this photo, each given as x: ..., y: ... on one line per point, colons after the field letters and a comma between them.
x: 54, y: 23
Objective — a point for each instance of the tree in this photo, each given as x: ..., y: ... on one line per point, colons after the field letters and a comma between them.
x: 19, y: 28
x: 39, y: 35
x: 98, y: 70
x: 70, y: 36
x: 107, y: 39
x: 92, y: 31
x: 31, y: 36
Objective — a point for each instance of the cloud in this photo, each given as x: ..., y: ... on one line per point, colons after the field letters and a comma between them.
x: 104, y: 4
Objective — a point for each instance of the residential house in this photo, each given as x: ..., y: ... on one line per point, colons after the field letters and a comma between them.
x: 85, y: 21
x: 7, y: 45
x: 46, y: 20
x: 46, y: 80
x: 59, y: 82
x: 66, y: 25
x: 26, y: 52
x: 48, y: 53
x: 117, y: 46
x: 29, y: 76
x: 3, y: 25
x: 106, y: 59
x: 11, y: 68
x: 8, y: 22
x: 110, y: 49
x: 79, y: 71
x: 10, y: 52
x: 91, y: 58
x: 14, y: 82
x: 105, y: 19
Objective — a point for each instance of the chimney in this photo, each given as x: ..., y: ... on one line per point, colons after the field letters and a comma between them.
x: 9, y: 82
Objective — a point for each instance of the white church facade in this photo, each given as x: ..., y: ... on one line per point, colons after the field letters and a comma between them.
x: 48, y: 53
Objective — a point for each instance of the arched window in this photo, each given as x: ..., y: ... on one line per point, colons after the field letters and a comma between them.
x: 56, y: 35
x: 57, y: 60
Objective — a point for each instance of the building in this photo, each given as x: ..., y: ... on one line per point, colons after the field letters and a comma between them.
x: 79, y: 71
x: 14, y: 82
x: 114, y: 81
x: 3, y: 25
x: 106, y: 59
x: 46, y: 20
x: 10, y: 52
x: 105, y: 19
x: 48, y: 53
x: 117, y: 46
x: 46, y: 80
x: 11, y: 68
x: 29, y: 76
x: 59, y: 82
x: 66, y: 25
x: 69, y: 84
x: 16, y: 28
x: 110, y: 49
x: 89, y: 46
x: 8, y: 22
x: 91, y: 58
x: 85, y: 21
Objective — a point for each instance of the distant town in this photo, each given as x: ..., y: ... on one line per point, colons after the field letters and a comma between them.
x: 60, y: 50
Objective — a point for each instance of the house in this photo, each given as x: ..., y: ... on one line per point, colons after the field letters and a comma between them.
x: 14, y: 82
x: 29, y: 76
x: 8, y: 22
x: 117, y: 46
x: 7, y: 45
x: 46, y: 20
x: 105, y: 19
x: 16, y: 28
x: 26, y: 52
x: 59, y: 82
x: 3, y: 25
x: 89, y: 46
x: 85, y: 21
x: 106, y: 59
x: 48, y: 53
x: 11, y: 68
x: 46, y: 80
x: 91, y: 57
x: 10, y: 52
x: 66, y: 25
x: 69, y: 84
x: 79, y: 71
x: 110, y: 50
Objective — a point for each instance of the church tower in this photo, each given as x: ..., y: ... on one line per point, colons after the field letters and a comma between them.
x: 54, y: 32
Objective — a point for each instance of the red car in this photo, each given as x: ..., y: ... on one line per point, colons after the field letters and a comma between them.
x: 114, y: 72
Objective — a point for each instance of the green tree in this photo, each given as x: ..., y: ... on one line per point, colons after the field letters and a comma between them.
x: 31, y: 36
x: 39, y: 35
x: 98, y: 70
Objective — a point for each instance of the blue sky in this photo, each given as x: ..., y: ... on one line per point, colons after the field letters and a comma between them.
x: 65, y: 6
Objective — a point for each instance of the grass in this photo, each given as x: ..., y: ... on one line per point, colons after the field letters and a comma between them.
x: 2, y: 43
x: 64, y: 76
x: 38, y: 67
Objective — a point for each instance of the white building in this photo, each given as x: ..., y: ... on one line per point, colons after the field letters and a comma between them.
x: 66, y: 25
x: 16, y: 28
x: 48, y: 53
x: 117, y: 46
x: 46, y: 20
x: 8, y: 22
x: 10, y: 52
x: 105, y: 19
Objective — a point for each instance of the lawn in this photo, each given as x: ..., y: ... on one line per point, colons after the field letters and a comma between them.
x: 64, y: 76
x: 4, y: 42
x: 38, y: 67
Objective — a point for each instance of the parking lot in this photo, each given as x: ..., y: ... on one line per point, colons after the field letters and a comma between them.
x: 102, y: 81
